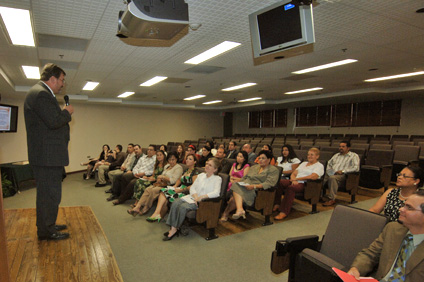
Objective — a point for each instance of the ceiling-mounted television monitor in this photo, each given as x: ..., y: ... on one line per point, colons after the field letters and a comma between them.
x: 8, y: 118
x: 281, y: 26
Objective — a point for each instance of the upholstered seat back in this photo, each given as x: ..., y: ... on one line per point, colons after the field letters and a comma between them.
x: 349, y: 231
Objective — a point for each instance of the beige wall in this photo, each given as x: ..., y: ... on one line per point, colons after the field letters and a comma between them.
x: 94, y: 125
x: 412, y: 123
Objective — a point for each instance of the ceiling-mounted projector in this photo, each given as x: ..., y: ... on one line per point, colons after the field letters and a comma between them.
x: 153, y: 20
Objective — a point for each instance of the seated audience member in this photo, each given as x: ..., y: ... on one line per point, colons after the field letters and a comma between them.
x: 267, y: 148
x: 409, y: 180
x: 171, y: 173
x: 248, y: 149
x: 289, y: 162
x: 225, y: 164
x: 232, y: 152
x: 398, y: 253
x: 126, y: 165
x: 123, y: 185
x: 90, y: 165
x: 164, y: 149
x: 239, y: 169
x: 181, y: 153
x: 146, y: 181
x: 206, y: 155
x: 191, y: 149
x: 106, y: 166
x: 180, y: 189
x: 207, y: 185
x: 262, y: 176
x: 211, y: 145
x: 338, y: 166
x: 310, y: 170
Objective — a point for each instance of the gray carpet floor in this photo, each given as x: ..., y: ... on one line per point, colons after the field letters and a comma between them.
x: 143, y: 256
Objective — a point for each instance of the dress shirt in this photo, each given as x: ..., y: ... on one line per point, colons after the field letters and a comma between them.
x: 203, y: 185
x: 304, y: 170
x: 145, y: 165
x: 128, y: 161
x: 51, y: 91
x: 348, y: 162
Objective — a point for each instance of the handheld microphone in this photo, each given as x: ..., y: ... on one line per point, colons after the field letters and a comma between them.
x: 66, y: 100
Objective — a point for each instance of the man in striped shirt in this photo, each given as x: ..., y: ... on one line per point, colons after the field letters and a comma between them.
x: 337, y: 168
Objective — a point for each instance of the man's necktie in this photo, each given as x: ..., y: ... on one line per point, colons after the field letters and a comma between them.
x: 399, y: 269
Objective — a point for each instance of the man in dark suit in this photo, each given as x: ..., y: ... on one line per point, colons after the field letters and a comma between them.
x: 232, y: 152
x: 47, y: 138
x: 399, y: 250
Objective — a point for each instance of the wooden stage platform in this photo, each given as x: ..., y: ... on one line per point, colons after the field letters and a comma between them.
x: 86, y: 256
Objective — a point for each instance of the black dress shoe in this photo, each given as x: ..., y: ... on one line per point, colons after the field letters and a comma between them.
x: 55, y: 236
x: 166, y: 238
x: 99, y: 185
x: 111, y: 198
x: 60, y: 227
x: 108, y: 190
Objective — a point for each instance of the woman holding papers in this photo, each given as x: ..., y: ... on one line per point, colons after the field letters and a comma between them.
x: 409, y: 180
x: 171, y: 173
x: 310, y: 170
x: 180, y: 189
x: 262, y: 176
x: 207, y: 185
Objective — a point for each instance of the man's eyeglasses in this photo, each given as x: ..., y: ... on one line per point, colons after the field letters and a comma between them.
x: 409, y: 207
x: 403, y: 175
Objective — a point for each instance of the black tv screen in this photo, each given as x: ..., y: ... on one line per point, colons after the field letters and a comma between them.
x: 8, y: 118
x: 279, y: 26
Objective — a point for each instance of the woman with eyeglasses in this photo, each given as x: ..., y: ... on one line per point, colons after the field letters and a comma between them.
x: 409, y: 180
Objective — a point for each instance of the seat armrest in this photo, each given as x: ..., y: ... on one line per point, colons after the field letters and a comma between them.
x: 295, y: 245
x: 217, y: 199
x: 386, y: 166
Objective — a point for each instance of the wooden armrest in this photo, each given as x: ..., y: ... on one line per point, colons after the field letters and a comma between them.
x: 209, y: 211
x: 265, y: 200
x: 352, y: 181
x: 313, y: 190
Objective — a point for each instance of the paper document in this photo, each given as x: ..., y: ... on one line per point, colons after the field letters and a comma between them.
x: 189, y: 199
x: 349, y: 278
x: 243, y: 183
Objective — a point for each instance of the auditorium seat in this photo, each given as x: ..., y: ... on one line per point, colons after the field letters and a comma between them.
x: 377, y: 170
x: 349, y: 231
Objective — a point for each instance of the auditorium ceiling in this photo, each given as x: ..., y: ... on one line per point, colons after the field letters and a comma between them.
x: 385, y: 36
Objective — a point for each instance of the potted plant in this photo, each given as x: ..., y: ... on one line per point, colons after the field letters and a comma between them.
x: 8, y: 189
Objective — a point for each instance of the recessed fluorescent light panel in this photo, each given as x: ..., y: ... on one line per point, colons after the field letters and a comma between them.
x: 194, y: 97
x: 212, y: 102
x: 395, y: 76
x: 126, y: 94
x: 31, y: 72
x: 213, y: 52
x: 239, y: 86
x: 90, y: 85
x: 18, y: 25
x: 326, y: 66
x: 250, y: 99
x: 154, y: 80
x: 304, y: 90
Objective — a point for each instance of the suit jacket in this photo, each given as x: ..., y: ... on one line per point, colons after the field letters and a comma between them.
x: 232, y: 154
x: 383, y: 251
x: 47, y: 128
